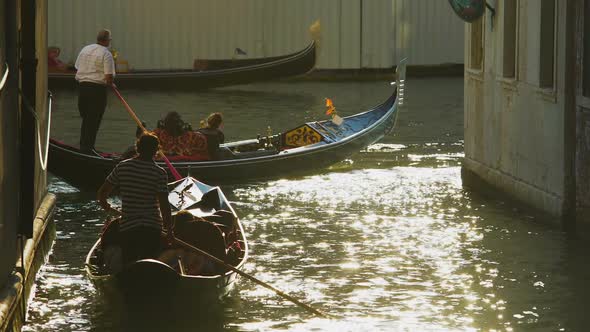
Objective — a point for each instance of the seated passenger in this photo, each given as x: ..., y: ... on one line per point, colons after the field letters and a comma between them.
x: 226, y: 222
x: 212, y: 130
x: 177, y: 138
x: 198, y: 233
x: 53, y: 63
x: 171, y: 256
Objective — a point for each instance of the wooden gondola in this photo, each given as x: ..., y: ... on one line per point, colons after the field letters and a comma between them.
x: 311, y: 146
x: 208, y: 73
x: 148, y: 277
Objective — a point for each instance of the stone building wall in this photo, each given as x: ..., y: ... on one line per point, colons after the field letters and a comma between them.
x: 515, y: 101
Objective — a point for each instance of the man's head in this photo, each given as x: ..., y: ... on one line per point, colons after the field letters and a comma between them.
x: 104, y: 37
x: 173, y: 124
x: 147, y: 145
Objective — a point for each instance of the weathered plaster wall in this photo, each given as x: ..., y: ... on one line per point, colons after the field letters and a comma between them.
x: 513, y: 127
x: 155, y: 34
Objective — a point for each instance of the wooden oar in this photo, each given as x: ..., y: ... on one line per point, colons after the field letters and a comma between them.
x: 173, y: 170
x: 256, y: 280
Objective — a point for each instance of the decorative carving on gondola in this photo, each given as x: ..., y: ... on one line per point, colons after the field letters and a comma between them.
x: 301, y: 136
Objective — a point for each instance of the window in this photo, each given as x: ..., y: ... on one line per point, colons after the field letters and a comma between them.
x: 547, y: 50
x: 586, y: 63
x: 509, y: 66
x: 476, y: 51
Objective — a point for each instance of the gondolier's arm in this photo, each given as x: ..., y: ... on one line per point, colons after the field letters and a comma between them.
x: 103, y: 194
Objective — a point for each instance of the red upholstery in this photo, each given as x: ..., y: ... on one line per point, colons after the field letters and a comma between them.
x: 190, y: 143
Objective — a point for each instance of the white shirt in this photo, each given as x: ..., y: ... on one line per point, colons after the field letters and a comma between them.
x: 93, y: 63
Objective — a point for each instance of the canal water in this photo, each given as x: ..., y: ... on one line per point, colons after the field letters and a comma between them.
x: 388, y: 240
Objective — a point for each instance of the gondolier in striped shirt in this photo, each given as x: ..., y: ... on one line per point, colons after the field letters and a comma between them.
x: 95, y: 72
x: 143, y: 189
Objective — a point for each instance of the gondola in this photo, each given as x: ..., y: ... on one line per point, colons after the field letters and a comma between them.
x: 310, y: 146
x: 208, y: 73
x: 150, y: 277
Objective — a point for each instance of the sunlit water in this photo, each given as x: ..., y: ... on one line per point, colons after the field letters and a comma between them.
x: 388, y: 240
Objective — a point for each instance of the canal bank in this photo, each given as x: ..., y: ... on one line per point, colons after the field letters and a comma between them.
x: 14, y: 296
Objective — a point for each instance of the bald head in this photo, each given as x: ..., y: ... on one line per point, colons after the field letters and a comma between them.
x: 104, y: 37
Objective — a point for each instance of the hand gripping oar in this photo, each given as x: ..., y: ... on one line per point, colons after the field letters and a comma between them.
x: 247, y: 276
x: 173, y: 170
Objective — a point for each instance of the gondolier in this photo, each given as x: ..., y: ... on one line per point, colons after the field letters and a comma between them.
x: 143, y: 188
x: 96, y: 70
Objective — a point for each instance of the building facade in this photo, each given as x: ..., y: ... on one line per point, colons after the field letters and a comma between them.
x: 153, y: 34
x: 527, y: 129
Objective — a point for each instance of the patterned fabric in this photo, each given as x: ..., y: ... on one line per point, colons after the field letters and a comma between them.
x: 139, y: 182
x: 191, y: 143
x: 93, y: 63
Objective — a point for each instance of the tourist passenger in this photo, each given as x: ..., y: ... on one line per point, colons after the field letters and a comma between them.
x: 53, y: 61
x: 96, y: 70
x: 142, y: 185
x: 198, y: 233
x: 173, y: 255
x: 178, y: 139
x: 212, y: 131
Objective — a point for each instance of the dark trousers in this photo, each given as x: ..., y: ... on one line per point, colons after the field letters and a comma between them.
x: 140, y: 243
x: 92, y: 101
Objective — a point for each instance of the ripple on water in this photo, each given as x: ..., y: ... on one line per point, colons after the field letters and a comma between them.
x: 388, y: 241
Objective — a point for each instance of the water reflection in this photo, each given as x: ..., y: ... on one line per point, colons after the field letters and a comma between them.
x: 400, y: 259
x: 388, y: 240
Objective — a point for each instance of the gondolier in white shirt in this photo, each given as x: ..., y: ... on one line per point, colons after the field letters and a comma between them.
x: 96, y: 70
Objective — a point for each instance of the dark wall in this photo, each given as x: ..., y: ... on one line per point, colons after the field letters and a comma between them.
x: 583, y: 106
x: 9, y: 156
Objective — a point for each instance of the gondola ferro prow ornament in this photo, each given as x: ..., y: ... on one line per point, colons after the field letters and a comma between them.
x: 331, y: 110
x: 400, y: 81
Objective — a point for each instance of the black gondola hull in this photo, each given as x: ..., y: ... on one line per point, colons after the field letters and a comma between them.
x: 88, y: 172
x: 221, y: 73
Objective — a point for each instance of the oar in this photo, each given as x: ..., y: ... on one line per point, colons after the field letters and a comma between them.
x: 256, y: 280
x: 173, y: 170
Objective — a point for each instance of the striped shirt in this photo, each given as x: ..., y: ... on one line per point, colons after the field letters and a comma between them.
x: 93, y: 63
x: 139, y: 182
